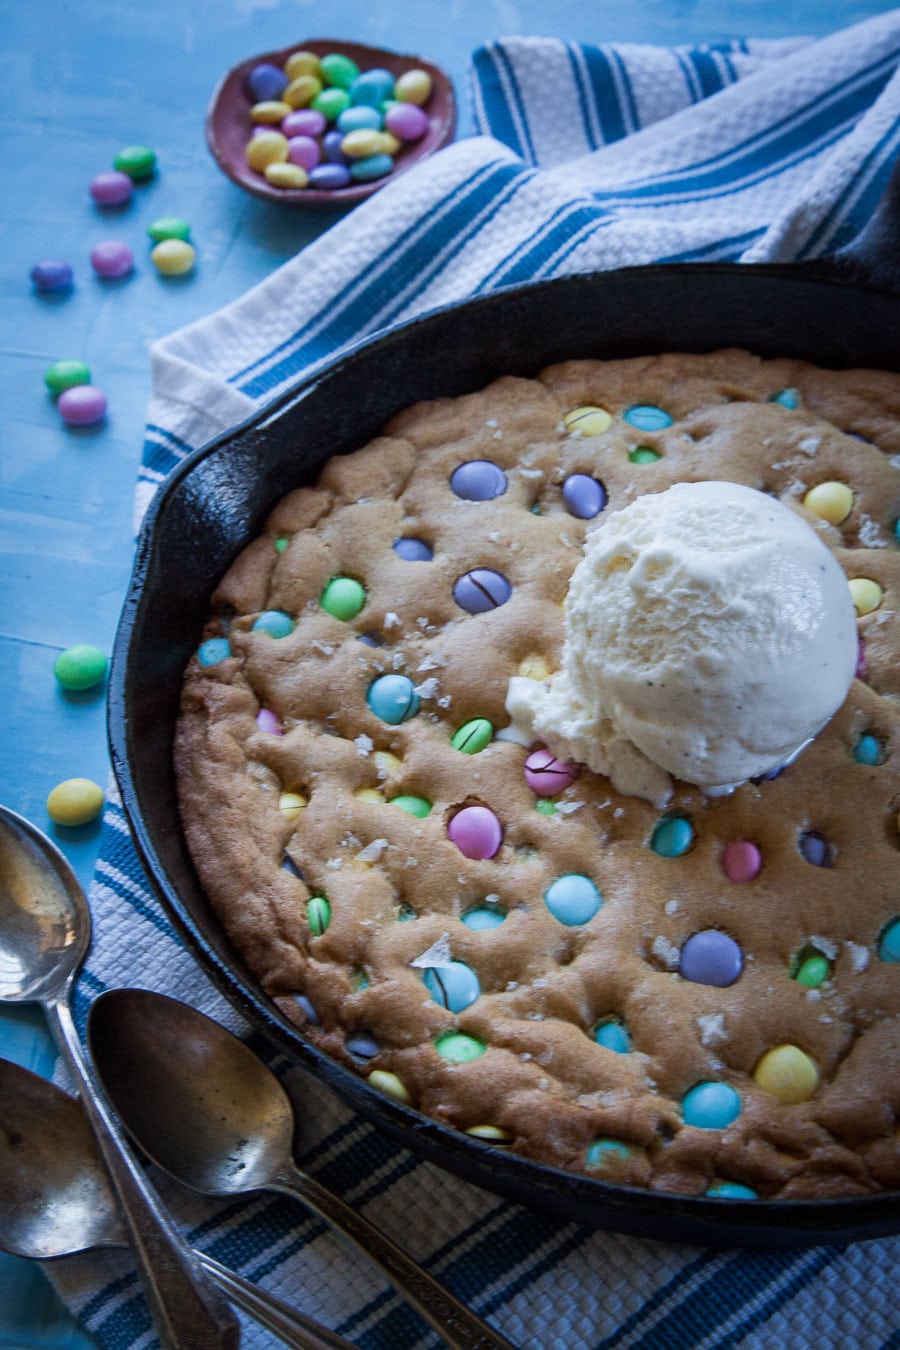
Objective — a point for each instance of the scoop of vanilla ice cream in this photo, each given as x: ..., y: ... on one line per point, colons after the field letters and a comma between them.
x: 710, y: 634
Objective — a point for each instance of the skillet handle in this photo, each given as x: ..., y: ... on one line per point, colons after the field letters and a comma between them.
x: 873, y: 257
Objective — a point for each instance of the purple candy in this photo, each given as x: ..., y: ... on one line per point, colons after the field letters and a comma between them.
x: 814, y: 848
x: 711, y: 957
x: 476, y: 832
x: 52, y: 275
x: 481, y: 590
x: 406, y: 121
x: 303, y: 150
x: 584, y: 497
x: 331, y: 147
x: 546, y: 775
x: 478, y: 480
x: 111, y: 189
x: 82, y: 405
x: 412, y: 550
x: 303, y: 122
x: 269, y: 722
x: 111, y: 258
x: 266, y: 82
x: 329, y: 176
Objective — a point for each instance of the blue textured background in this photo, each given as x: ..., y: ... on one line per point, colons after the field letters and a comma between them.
x: 78, y: 81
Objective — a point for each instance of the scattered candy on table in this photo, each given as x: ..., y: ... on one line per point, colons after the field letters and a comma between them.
x: 64, y: 375
x: 82, y: 405
x: 52, y: 274
x: 336, y: 124
x: 172, y: 257
x: 168, y: 227
x: 80, y: 667
x: 137, y: 161
x: 75, y: 802
x: 112, y: 259
x: 111, y: 189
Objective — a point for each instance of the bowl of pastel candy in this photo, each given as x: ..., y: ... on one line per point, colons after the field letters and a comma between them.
x: 327, y: 122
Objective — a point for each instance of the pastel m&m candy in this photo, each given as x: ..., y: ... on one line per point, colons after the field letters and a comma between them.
x: 711, y: 957
x: 168, y: 227
x: 831, y: 501
x: 414, y: 87
x: 75, y: 802
x: 82, y: 405
x: 481, y: 590
x: 546, y: 775
x: 113, y: 188
x: 478, y: 480
x: 369, y: 168
x: 52, y: 274
x: 65, y: 375
x: 137, y: 161
x: 788, y: 1073
x: 584, y: 496
x: 269, y: 147
x: 274, y: 622
x: 587, y: 420
x: 111, y: 259
x: 80, y: 667
x: 173, y: 257
x: 406, y: 121
x: 454, y: 986
x: 573, y: 899
x: 476, y: 832
x: 711, y: 1106
x: 266, y: 81
x: 393, y: 698
x: 343, y: 598
x: 337, y: 70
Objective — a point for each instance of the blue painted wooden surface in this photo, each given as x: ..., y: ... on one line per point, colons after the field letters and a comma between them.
x: 79, y: 81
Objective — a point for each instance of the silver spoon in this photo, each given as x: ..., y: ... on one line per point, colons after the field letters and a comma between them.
x: 45, y: 932
x: 55, y: 1200
x: 228, y: 1127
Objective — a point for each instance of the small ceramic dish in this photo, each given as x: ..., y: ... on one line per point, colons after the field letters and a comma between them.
x: 228, y: 125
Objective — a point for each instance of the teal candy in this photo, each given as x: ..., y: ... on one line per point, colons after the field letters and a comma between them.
x: 361, y: 118
x: 573, y: 899
x: 274, y: 622
x: 393, y: 698
x: 867, y: 750
x: 889, y: 943
x: 212, y: 652
x: 646, y: 417
x: 482, y: 918
x: 731, y: 1190
x: 372, y: 88
x: 454, y: 987
x: 370, y: 168
x: 602, y: 1151
x: 711, y: 1106
x: 613, y: 1035
x: 672, y: 836
x: 788, y: 398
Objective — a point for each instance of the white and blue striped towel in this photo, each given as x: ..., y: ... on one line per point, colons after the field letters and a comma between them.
x: 742, y: 151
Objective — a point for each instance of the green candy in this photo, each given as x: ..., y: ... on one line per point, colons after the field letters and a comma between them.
x: 643, y: 454
x: 343, y: 598
x: 414, y: 806
x: 318, y: 914
x: 331, y: 103
x: 473, y: 736
x: 65, y: 375
x: 168, y: 227
x: 80, y: 667
x: 813, y: 970
x: 545, y: 807
x: 459, y: 1048
x: 137, y: 161
x: 338, y: 70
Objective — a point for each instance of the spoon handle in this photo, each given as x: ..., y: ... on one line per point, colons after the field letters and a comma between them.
x: 188, y: 1310
x: 289, y: 1324
x: 460, y: 1328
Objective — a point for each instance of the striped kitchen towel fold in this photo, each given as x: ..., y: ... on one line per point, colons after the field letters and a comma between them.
x: 740, y: 151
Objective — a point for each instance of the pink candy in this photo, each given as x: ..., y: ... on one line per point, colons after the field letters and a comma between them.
x: 406, y: 121
x: 111, y: 189
x: 111, y: 259
x: 303, y: 150
x: 546, y: 775
x: 269, y: 722
x: 476, y: 832
x: 302, y: 122
x: 741, y: 860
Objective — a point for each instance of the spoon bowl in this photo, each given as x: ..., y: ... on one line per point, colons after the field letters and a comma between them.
x: 228, y: 1127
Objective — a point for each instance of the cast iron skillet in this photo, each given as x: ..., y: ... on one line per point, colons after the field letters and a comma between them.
x: 841, y: 313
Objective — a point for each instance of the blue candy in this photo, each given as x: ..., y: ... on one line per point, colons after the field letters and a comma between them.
x: 478, y: 480
x: 52, y: 275
x: 711, y: 1106
x: 329, y: 176
x: 613, y: 1035
x: 481, y: 918
x: 393, y: 698
x: 585, y: 497
x: 274, y: 622
x: 266, y: 82
x: 412, y: 550
x: 573, y: 899
x: 454, y: 987
x: 372, y: 167
x: 889, y: 943
x: 359, y: 118
x: 672, y: 836
x: 602, y: 1151
x: 372, y: 87
x: 481, y: 590
x: 646, y: 417
x: 731, y: 1190
x: 213, y: 651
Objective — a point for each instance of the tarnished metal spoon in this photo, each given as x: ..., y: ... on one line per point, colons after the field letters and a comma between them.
x: 45, y: 932
x: 228, y: 1127
x: 55, y: 1200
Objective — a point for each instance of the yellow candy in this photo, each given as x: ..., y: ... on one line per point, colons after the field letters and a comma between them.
x: 413, y: 87
x: 269, y: 147
x: 290, y: 804
x: 362, y: 143
x: 831, y: 501
x: 866, y: 594
x: 534, y: 668
x: 173, y: 257
x: 788, y: 1074
x: 369, y: 795
x: 75, y: 802
x: 389, y: 1084
x: 588, y: 420
x: 386, y: 763
x: 301, y: 63
x: 388, y: 144
x: 494, y: 1134
x: 286, y: 175
x: 301, y: 92
x: 269, y: 113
